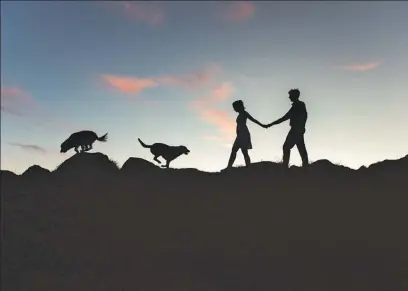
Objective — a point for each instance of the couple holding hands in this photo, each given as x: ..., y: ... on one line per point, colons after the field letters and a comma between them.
x: 297, y: 116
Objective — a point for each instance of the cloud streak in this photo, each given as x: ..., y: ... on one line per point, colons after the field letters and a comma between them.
x: 10, y: 111
x: 194, y: 80
x: 221, y: 119
x: 30, y: 148
x: 15, y: 93
x: 207, y: 111
x: 204, y: 107
x: 15, y: 101
x: 218, y: 95
x: 239, y: 11
x: 222, y: 92
x: 135, y: 85
x: 129, y: 85
x: 362, y: 66
x: 150, y: 13
x: 147, y: 12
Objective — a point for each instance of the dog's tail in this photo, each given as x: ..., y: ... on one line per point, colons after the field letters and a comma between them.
x: 103, y: 138
x: 143, y: 144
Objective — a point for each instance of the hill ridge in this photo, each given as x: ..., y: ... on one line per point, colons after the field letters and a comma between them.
x: 136, y: 162
x: 89, y: 225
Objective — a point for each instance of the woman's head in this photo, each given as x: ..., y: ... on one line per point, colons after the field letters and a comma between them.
x: 238, y: 106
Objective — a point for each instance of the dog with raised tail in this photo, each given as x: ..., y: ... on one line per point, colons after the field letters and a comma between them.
x: 169, y: 153
x: 83, y: 139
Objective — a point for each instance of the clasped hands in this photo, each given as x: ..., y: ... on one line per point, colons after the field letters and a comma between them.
x: 267, y: 125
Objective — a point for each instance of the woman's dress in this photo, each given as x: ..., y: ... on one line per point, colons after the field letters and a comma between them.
x: 243, y: 139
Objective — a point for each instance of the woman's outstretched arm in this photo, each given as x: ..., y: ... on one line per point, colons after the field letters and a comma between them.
x: 254, y: 120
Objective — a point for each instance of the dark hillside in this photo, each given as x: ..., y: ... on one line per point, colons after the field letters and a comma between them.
x: 89, y: 225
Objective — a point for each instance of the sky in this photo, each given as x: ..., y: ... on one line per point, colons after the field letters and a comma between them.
x: 169, y: 71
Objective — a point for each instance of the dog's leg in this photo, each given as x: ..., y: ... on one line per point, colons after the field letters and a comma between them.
x: 167, y: 164
x: 155, y: 158
x: 76, y: 149
x: 89, y: 147
x: 83, y: 148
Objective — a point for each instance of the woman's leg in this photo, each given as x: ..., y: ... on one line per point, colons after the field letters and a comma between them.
x: 233, y: 155
x: 246, y: 157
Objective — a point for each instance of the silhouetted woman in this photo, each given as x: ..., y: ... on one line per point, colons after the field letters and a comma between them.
x: 243, y: 139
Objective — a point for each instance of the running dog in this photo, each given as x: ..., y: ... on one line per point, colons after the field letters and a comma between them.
x: 169, y: 153
x: 83, y: 139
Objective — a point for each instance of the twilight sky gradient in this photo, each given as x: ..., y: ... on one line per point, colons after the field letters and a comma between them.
x: 169, y: 71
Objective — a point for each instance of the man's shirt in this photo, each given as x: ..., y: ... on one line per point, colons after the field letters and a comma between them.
x: 298, y: 115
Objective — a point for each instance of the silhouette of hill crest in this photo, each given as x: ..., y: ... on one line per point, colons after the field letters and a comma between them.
x: 137, y: 165
x: 85, y: 226
x: 87, y: 162
x: 98, y: 162
x: 35, y: 170
x: 398, y: 165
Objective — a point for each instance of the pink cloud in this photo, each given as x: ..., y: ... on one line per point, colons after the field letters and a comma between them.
x: 239, y: 10
x: 218, y: 95
x: 129, y: 84
x: 362, y: 67
x: 144, y: 11
x: 14, y: 94
x: 205, y: 107
x: 15, y: 101
x: 135, y: 85
x: 193, y: 80
x: 18, y: 102
x: 222, y: 92
x: 221, y: 120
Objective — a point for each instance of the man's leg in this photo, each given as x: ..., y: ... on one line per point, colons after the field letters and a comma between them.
x: 302, y: 150
x: 287, y: 146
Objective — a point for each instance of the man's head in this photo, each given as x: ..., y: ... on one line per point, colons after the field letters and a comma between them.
x: 294, y: 95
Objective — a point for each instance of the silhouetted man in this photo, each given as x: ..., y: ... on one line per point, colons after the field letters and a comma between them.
x: 298, y: 116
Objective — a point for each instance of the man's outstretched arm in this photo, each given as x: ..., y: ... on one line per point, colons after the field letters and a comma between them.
x: 282, y: 119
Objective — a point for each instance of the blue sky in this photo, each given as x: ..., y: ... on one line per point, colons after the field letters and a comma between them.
x: 169, y: 71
